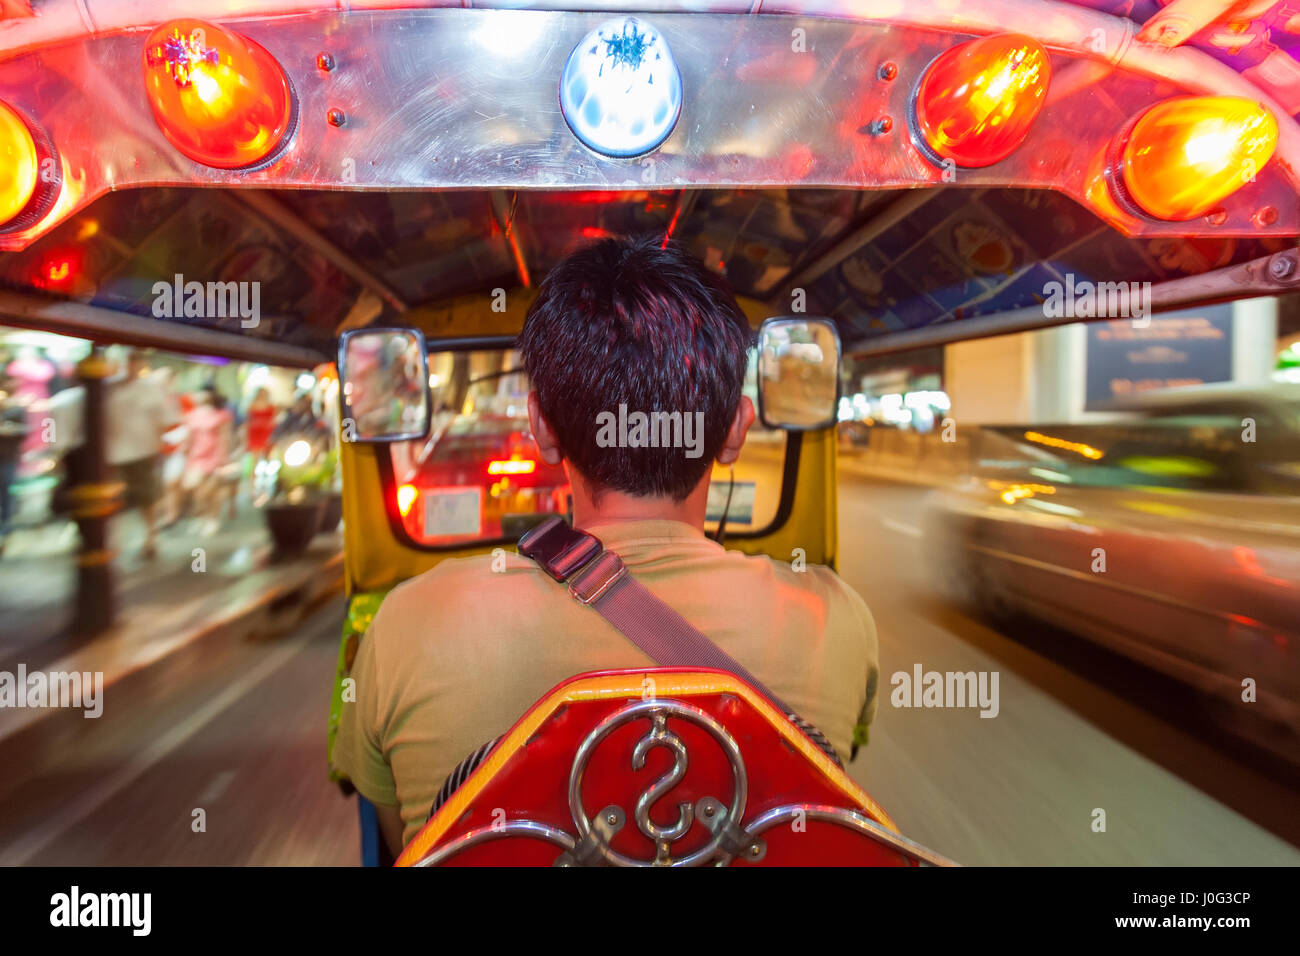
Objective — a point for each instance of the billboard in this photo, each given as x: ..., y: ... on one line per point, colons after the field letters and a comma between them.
x: 1126, y: 356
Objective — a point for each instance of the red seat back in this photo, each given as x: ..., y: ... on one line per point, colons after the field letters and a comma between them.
x: 659, y: 766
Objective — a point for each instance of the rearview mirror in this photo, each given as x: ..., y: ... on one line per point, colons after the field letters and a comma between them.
x: 798, y: 373
x: 384, y: 374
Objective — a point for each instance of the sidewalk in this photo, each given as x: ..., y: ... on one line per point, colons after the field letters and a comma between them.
x: 170, y: 615
x: 38, y: 576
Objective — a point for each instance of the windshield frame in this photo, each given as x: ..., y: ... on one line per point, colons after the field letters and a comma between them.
x: 388, y: 477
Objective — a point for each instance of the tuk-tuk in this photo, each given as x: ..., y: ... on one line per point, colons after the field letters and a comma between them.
x: 384, y: 184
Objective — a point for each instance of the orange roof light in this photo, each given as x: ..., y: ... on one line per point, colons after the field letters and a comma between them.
x: 218, y: 97
x: 976, y: 102
x: 19, y: 166
x: 1185, y: 155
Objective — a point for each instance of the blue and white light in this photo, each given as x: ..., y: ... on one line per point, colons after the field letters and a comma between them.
x: 621, y: 91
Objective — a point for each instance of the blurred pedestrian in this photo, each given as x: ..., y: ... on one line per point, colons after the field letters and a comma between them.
x: 259, y: 423
x: 139, y: 410
x: 173, y: 456
x: 13, y: 430
x: 301, y: 420
x: 208, y: 448
x: 32, y: 373
x: 226, y: 488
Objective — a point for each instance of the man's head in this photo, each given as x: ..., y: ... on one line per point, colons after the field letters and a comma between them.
x: 626, y: 322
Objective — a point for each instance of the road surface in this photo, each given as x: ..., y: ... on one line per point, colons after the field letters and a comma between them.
x: 243, y: 743
x: 1078, y: 730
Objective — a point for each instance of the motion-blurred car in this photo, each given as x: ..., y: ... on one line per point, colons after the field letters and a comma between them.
x: 1172, y: 536
x: 480, y: 477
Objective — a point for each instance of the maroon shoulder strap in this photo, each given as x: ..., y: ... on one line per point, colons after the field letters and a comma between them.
x: 666, y: 637
x: 602, y: 582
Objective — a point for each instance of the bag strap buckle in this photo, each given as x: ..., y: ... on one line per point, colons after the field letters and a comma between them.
x: 596, y: 577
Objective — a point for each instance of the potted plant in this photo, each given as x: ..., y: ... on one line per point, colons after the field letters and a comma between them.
x: 303, y: 493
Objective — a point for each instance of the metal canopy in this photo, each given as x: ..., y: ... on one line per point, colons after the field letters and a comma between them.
x: 790, y: 207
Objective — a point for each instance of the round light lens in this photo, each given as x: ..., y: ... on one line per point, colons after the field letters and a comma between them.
x: 621, y: 91
x: 218, y: 97
x: 19, y: 166
x: 976, y: 102
x: 1184, y: 156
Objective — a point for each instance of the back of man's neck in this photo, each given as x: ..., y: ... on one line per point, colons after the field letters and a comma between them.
x: 614, y: 507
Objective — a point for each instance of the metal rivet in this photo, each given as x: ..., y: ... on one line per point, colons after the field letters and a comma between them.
x: 325, y: 62
x: 882, y: 124
x: 335, y: 117
x: 755, y: 849
x: 1216, y: 217
x: 887, y: 71
x: 1281, y: 267
x: 709, y: 810
x: 1266, y: 216
x: 611, y: 819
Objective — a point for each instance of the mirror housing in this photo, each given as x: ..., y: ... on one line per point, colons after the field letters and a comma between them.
x: 384, y: 385
x: 798, y: 373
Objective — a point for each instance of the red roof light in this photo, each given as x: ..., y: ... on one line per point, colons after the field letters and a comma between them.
x: 218, y: 97
x: 978, y: 100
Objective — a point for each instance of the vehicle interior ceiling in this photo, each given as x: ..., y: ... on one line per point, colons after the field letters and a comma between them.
x: 352, y: 258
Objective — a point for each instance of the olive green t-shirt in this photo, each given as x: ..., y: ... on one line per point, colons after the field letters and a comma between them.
x: 455, y: 656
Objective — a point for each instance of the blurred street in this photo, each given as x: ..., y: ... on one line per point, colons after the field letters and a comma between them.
x: 38, y: 576
x: 242, y: 737
x: 243, y: 741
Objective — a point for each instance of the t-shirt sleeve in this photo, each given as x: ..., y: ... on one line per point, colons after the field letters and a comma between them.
x: 358, y: 749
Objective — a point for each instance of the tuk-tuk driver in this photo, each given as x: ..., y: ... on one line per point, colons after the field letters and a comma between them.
x: 456, y: 655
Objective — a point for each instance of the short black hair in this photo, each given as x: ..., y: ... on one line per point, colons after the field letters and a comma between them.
x: 642, y: 323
